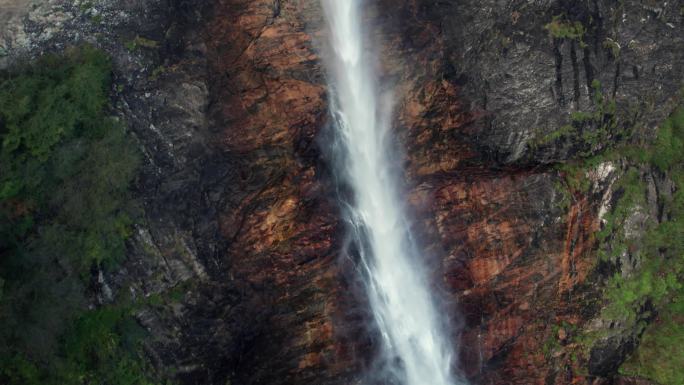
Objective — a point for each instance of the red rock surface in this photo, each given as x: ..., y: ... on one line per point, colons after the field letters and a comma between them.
x: 270, y: 104
x: 507, y: 254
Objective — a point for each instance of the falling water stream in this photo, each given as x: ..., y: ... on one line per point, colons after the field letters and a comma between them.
x: 415, y: 349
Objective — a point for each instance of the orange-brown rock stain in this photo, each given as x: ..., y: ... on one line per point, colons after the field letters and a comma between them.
x: 579, y: 240
x: 268, y: 104
x: 513, y: 262
x: 505, y: 252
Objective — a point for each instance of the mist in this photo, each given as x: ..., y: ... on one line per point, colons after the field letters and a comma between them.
x: 416, y: 348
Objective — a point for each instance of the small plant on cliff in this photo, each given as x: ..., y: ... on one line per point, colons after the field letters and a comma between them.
x: 141, y: 42
x: 589, y: 131
x: 613, y: 46
x: 560, y: 28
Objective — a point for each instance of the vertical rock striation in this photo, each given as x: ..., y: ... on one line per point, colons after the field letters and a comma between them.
x: 228, y: 102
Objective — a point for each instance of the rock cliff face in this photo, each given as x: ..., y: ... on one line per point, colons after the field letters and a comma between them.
x: 228, y: 101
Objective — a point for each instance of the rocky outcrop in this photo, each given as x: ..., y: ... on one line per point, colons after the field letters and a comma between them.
x: 524, y: 66
x: 241, y: 258
x: 519, y: 256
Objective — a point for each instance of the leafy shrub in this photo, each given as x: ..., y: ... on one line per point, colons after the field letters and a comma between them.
x: 65, y: 208
x: 588, y: 131
x: 560, y: 28
x: 100, y: 348
x: 141, y: 42
x: 670, y: 143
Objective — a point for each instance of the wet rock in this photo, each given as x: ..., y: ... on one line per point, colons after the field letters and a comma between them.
x: 607, y: 356
x: 228, y: 102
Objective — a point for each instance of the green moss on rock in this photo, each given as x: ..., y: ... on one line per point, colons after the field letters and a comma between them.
x: 562, y: 28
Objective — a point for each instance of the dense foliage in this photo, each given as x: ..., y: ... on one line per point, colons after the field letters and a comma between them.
x: 651, y: 295
x: 65, y: 212
x: 660, y: 278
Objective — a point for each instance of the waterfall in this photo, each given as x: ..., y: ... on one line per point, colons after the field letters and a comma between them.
x: 415, y: 349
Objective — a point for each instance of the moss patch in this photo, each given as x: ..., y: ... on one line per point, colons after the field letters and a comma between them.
x: 589, y: 131
x: 661, y: 279
x: 562, y: 28
x: 140, y: 42
x: 655, y: 288
x: 661, y: 352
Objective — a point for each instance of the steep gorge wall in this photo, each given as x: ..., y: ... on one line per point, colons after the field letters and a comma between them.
x: 228, y: 101
x: 526, y: 254
x: 480, y: 90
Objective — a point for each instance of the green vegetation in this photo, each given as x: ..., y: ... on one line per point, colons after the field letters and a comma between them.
x: 560, y: 28
x: 157, y: 72
x: 101, y: 347
x: 575, y: 174
x: 66, y: 211
x: 661, y: 350
x: 656, y: 287
x: 551, y: 343
x: 613, y: 46
x: 563, y: 132
x: 588, y: 129
x: 85, y: 6
x: 661, y: 277
x: 141, y: 42
x: 661, y: 249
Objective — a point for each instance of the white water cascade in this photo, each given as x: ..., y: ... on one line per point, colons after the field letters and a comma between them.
x: 416, y: 350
